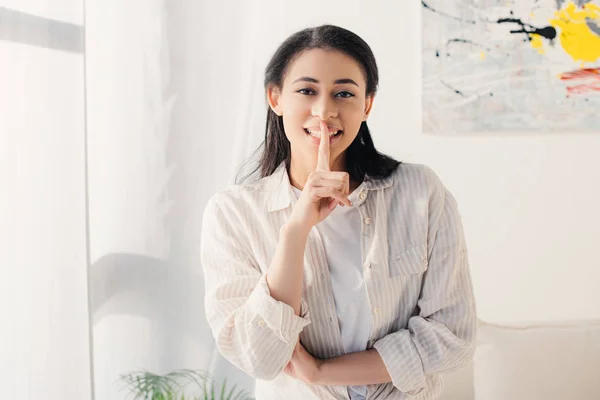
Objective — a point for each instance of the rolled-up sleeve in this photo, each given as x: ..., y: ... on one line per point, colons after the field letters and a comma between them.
x: 441, y: 336
x: 253, y: 331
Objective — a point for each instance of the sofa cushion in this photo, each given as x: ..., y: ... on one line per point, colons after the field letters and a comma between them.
x: 546, y: 362
x: 458, y: 384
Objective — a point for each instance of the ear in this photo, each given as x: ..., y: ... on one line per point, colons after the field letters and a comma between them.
x: 273, y: 97
x: 368, y: 106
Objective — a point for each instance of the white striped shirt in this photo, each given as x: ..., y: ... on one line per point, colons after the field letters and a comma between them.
x: 341, y: 237
x: 415, y: 269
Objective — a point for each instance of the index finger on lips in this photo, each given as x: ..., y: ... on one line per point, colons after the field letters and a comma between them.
x: 323, y: 154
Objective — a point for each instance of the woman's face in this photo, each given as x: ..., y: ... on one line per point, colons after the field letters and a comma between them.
x: 320, y: 86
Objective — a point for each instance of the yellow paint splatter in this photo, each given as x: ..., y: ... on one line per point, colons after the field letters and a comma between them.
x: 537, y: 43
x: 482, y: 55
x: 576, y: 37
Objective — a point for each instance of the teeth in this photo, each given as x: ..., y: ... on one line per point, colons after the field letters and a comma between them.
x: 318, y: 134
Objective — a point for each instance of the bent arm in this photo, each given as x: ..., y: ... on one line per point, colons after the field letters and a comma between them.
x: 255, y: 319
x: 441, y: 337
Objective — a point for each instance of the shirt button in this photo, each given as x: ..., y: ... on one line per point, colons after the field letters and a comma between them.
x: 425, y: 262
x: 367, y: 220
x: 261, y: 323
x: 367, y: 264
x: 362, y: 195
x: 377, y: 311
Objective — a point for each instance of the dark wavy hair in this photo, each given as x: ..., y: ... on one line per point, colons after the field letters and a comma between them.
x: 361, y: 156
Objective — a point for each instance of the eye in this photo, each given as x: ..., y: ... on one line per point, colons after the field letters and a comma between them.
x: 305, y: 91
x: 345, y: 94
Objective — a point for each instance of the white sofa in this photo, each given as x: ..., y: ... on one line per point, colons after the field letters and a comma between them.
x: 559, y: 361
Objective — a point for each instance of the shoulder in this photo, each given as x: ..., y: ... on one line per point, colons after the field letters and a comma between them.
x: 238, y: 197
x: 417, y: 178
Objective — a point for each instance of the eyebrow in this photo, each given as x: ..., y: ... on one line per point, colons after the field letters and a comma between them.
x: 337, y: 82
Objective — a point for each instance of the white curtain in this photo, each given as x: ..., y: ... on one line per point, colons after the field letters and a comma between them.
x: 44, y: 333
x: 150, y: 174
x: 104, y: 172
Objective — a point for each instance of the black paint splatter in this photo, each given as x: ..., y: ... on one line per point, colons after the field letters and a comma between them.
x: 452, y: 88
x: 425, y: 5
x: 547, y: 32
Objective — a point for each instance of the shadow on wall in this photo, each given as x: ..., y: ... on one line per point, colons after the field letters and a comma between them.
x: 143, y: 286
x: 170, y: 296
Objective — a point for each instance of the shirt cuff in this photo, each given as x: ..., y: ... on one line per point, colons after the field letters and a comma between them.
x: 401, y: 359
x: 278, y: 316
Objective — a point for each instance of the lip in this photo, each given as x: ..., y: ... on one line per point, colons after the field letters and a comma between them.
x: 317, y: 141
x: 318, y: 128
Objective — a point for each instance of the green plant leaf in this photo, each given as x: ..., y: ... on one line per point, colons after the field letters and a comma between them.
x: 148, y: 386
x: 222, y: 396
x: 205, y: 392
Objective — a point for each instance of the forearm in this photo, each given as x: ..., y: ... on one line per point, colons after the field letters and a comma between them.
x: 285, y: 274
x: 361, y: 368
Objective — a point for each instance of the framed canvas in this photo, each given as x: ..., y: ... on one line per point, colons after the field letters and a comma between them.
x: 511, y: 66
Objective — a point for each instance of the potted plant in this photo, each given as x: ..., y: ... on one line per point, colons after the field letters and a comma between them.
x: 145, y: 385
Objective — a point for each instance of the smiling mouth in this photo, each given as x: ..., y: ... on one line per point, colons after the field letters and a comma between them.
x: 318, y: 134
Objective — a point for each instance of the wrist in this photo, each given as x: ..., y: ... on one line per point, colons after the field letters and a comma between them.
x: 319, y: 375
x: 295, y: 228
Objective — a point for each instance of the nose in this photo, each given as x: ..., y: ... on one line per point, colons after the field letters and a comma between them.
x: 324, y: 108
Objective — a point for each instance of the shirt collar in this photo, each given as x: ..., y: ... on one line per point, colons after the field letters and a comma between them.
x: 280, y: 194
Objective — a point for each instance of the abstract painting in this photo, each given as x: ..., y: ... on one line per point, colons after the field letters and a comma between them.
x: 511, y: 66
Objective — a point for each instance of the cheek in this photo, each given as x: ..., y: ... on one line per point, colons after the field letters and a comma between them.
x: 292, y: 124
x: 354, y: 108
x: 352, y: 112
x: 300, y: 109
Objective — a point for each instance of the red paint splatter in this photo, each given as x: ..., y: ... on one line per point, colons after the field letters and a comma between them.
x: 584, y: 73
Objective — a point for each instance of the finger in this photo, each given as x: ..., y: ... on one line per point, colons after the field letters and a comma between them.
x: 333, y: 204
x: 340, y: 176
x: 327, y: 179
x: 339, y: 184
x: 323, y: 154
x: 315, y: 178
x: 324, y: 192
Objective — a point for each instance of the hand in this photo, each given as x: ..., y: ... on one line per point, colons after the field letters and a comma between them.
x: 324, y: 189
x: 303, y: 365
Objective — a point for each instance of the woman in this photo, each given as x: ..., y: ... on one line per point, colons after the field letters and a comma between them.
x: 340, y: 273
